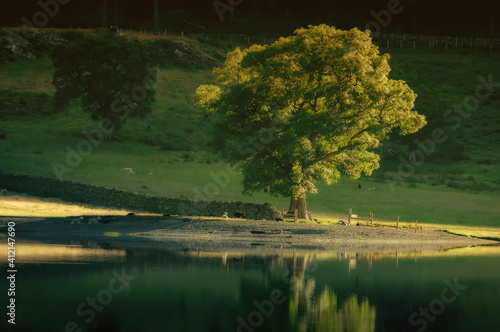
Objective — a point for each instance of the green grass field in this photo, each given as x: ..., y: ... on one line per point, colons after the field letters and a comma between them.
x: 175, y: 148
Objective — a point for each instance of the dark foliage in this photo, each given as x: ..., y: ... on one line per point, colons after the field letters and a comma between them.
x: 109, y: 73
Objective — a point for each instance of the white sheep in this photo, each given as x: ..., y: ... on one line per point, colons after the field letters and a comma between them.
x: 77, y: 221
x: 128, y: 170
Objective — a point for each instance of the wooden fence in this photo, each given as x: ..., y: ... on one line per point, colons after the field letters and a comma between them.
x: 402, y: 40
x: 383, y: 40
x: 369, y: 217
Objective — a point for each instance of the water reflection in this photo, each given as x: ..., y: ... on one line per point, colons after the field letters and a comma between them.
x: 61, y: 253
x: 245, y: 292
x: 323, y: 311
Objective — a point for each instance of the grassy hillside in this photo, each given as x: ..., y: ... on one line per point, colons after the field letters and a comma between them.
x: 170, y: 154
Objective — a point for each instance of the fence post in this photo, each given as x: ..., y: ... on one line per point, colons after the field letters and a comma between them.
x: 397, y: 223
x: 388, y: 44
x: 349, y: 217
x: 416, y: 225
x: 371, y: 218
x: 296, y: 215
x: 413, y: 44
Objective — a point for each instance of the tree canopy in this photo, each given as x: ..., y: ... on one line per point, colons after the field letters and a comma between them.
x: 306, y: 108
x: 109, y: 73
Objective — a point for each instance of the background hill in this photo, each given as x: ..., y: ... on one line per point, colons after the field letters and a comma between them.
x: 257, y: 17
x: 170, y: 151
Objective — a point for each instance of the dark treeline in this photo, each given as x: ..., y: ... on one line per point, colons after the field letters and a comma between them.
x: 479, y: 17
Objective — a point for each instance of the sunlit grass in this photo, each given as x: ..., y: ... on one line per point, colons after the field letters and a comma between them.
x: 112, y: 234
x: 16, y: 205
x: 56, y: 253
x: 463, y: 230
x: 33, y: 144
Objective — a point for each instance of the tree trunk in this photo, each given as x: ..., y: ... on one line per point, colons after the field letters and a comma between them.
x: 156, y: 17
x: 104, y: 14
x: 115, y: 14
x: 300, y: 204
x: 492, y: 19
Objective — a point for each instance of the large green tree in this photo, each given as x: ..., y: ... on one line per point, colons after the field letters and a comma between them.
x: 306, y: 108
x: 110, y: 73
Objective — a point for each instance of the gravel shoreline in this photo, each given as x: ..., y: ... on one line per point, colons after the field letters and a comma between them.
x: 232, y: 235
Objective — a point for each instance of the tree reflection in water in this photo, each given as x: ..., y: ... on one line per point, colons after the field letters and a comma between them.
x: 312, y: 309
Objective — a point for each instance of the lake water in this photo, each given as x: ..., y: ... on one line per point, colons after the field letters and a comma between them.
x: 104, y: 287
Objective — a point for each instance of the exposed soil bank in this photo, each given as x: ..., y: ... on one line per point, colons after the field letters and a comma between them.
x: 231, y: 235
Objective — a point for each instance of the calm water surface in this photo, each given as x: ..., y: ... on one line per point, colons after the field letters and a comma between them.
x: 103, y: 287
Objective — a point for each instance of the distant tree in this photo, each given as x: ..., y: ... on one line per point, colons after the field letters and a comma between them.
x: 109, y: 73
x: 156, y: 16
x: 492, y: 18
x: 306, y: 108
x: 104, y: 13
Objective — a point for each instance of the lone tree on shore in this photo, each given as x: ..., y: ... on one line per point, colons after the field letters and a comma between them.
x: 111, y: 74
x: 306, y: 108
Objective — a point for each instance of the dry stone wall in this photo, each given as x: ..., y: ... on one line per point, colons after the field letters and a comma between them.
x: 117, y: 198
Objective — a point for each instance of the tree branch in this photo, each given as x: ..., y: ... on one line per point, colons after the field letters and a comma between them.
x: 351, y: 145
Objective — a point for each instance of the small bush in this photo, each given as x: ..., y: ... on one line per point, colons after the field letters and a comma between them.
x: 20, y: 103
x: 456, y: 171
x: 176, y: 145
x: 458, y: 185
x: 163, y: 51
x: 483, y: 186
x: 452, y: 177
x: 72, y: 35
x: 487, y: 161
